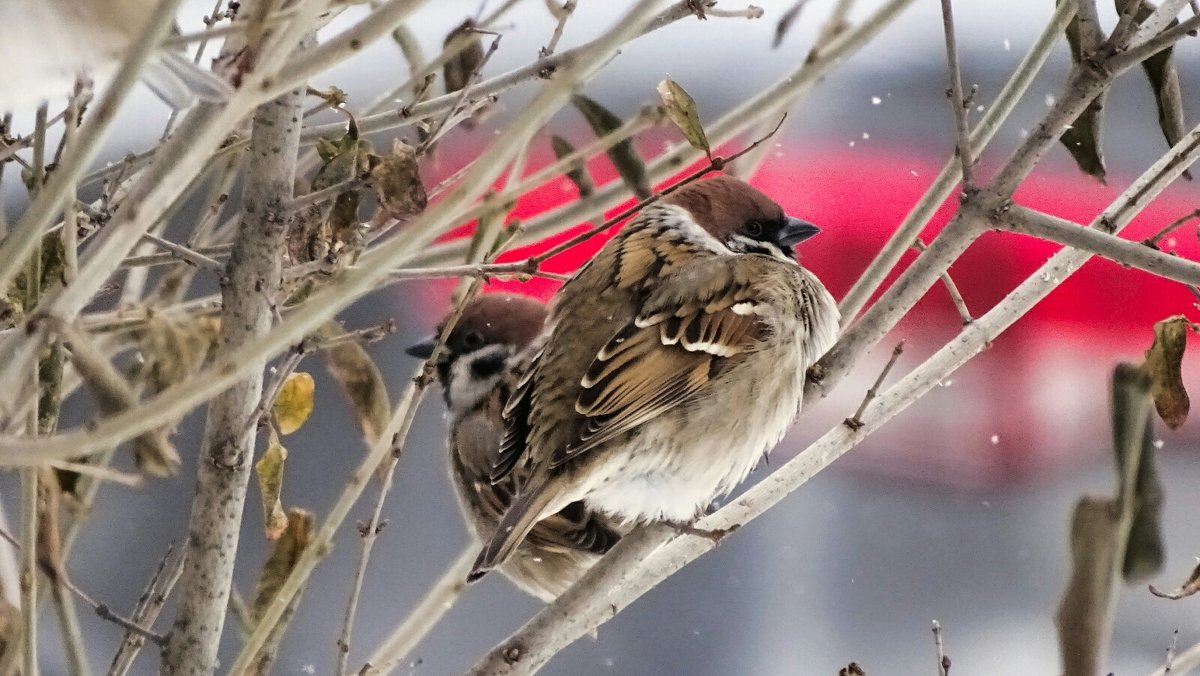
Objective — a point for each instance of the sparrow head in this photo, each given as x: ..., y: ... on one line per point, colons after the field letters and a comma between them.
x: 742, y: 218
x: 492, y: 328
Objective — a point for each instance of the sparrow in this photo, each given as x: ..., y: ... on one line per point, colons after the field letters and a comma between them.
x: 45, y: 45
x: 478, y: 367
x: 673, y: 361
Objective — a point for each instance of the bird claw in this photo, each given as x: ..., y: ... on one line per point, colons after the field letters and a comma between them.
x: 713, y: 534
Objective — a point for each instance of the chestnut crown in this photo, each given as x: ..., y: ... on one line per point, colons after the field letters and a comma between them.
x: 742, y: 217
x: 492, y: 319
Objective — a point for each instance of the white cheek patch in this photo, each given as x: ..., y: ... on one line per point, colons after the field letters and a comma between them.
x: 466, y: 390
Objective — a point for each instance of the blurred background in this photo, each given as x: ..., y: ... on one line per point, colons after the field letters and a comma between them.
x: 958, y: 511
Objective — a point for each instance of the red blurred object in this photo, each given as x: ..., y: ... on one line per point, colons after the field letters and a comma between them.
x: 1035, y: 399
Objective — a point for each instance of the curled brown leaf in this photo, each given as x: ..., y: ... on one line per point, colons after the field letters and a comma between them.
x: 1164, y: 364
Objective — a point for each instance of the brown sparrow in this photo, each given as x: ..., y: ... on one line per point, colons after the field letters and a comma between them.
x: 675, y: 359
x: 479, y: 365
x: 46, y: 44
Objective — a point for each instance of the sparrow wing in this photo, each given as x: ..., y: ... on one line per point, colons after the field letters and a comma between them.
x: 516, y: 422
x: 690, y: 328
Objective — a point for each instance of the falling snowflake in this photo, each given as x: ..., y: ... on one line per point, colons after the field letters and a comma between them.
x: 995, y: 439
x: 1007, y: 45
x: 1158, y: 443
x: 866, y: 136
x: 875, y: 100
x: 1050, y: 100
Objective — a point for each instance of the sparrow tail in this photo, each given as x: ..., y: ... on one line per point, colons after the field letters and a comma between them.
x: 525, y: 512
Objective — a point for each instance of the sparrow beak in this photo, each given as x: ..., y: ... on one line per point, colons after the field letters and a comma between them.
x: 423, y: 349
x: 796, y: 231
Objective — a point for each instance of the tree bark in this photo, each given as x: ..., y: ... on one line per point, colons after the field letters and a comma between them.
x: 249, y: 291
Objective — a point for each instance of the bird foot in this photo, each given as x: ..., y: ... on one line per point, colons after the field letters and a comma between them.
x: 714, y: 534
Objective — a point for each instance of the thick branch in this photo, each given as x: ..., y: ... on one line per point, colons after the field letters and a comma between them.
x: 249, y: 290
x: 1134, y: 254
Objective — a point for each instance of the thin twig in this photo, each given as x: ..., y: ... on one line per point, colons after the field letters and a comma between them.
x: 1170, y: 660
x: 148, y: 607
x: 185, y: 254
x: 958, y: 100
x: 854, y: 422
x: 1153, y: 240
x: 424, y: 616
x: 29, y: 567
x: 955, y: 296
x: 1183, y: 663
x: 370, y: 533
x: 107, y: 613
x: 562, y: 14
x: 943, y: 662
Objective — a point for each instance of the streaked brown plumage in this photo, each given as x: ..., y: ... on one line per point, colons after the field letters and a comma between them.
x: 482, y: 361
x: 675, y: 359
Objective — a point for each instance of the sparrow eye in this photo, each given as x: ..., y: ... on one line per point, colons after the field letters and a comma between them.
x: 754, y: 229
x: 473, y: 340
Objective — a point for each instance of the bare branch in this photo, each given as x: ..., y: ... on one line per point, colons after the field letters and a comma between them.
x: 249, y: 291
x: 854, y: 422
x: 958, y: 100
x: 908, y: 230
x: 423, y: 617
x: 1134, y: 254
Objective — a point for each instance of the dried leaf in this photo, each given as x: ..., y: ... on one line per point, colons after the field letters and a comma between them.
x: 682, y: 110
x: 457, y: 71
x: 1082, y: 615
x: 361, y: 380
x: 397, y: 181
x: 269, y: 470
x: 1082, y: 138
x: 1188, y: 588
x: 284, y: 555
x: 295, y: 402
x: 577, y: 172
x: 326, y: 229
x: 785, y: 22
x: 1164, y: 80
x: 1133, y: 438
x: 175, y: 348
x: 152, y: 450
x: 624, y: 157
x: 1144, y: 550
x: 1164, y: 364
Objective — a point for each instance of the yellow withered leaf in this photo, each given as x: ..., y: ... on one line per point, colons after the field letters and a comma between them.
x: 682, y: 110
x: 295, y: 402
x: 269, y: 470
x: 1164, y: 363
